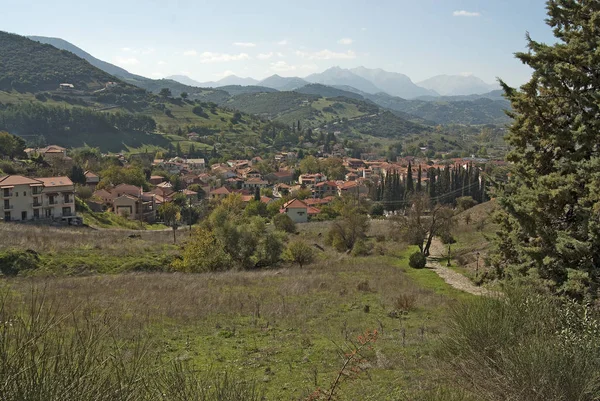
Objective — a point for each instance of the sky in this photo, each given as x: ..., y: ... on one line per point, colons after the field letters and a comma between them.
x: 207, y: 40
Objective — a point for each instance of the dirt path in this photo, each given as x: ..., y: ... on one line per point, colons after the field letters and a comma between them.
x: 452, y: 278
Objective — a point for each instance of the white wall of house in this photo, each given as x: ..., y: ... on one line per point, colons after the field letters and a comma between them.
x: 28, y: 202
x: 299, y: 215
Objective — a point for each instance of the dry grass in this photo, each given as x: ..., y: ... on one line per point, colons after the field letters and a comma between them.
x: 287, y: 320
x: 42, y: 238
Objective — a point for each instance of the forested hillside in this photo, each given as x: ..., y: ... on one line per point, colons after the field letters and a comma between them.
x: 26, y: 65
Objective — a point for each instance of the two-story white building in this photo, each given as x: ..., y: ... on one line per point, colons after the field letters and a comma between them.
x: 23, y: 198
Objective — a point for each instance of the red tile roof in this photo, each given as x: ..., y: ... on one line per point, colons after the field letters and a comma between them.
x: 12, y: 180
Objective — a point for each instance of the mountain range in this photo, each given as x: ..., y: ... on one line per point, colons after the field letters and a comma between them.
x: 364, y: 79
x: 470, y: 100
x: 367, y: 80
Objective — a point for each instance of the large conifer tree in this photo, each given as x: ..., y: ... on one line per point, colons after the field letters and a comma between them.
x: 551, y: 203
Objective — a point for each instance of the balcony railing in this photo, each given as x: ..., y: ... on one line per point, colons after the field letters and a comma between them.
x: 53, y: 202
x: 36, y: 204
x: 8, y: 207
x: 6, y: 195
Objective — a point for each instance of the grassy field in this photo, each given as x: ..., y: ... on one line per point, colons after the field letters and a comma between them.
x: 474, y: 237
x: 286, y: 328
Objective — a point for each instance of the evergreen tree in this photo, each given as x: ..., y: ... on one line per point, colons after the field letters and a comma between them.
x: 257, y: 194
x: 432, y: 184
x: 419, y: 188
x: 77, y: 175
x: 551, y: 204
x: 410, y: 188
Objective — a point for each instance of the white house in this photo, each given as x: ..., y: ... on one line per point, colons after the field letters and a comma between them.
x: 24, y: 198
x: 298, y: 211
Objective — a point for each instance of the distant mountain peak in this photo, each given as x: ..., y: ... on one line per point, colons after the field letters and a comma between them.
x: 458, y: 85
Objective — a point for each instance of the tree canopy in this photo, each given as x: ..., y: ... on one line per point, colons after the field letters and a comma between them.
x: 551, y: 220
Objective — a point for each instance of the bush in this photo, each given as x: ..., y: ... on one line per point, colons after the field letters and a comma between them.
x: 417, y: 260
x: 525, y: 347
x: 377, y: 210
x: 299, y: 252
x: 360, y: 248
x: 13, y: 262
x: 283, y: 222
x: 465, y: 202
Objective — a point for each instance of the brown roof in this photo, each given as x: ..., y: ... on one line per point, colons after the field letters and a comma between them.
x: 89, y: 174
x: 12, y: 180
x: 102, y: 193
x: 295, y: 204
x: 221, y: 191
x: 55, y: 181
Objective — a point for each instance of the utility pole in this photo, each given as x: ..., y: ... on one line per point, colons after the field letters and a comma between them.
x: 477, y: 266
x: 448, y: 256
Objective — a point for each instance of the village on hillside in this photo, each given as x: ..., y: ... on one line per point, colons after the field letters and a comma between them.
x: 302, y: 187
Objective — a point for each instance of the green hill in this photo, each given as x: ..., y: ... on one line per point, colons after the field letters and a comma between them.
x: 29, y: 66
x: 235, y: 90
x: 327, y: 91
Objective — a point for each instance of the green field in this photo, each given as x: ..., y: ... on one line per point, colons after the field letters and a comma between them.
x: 285, y: 328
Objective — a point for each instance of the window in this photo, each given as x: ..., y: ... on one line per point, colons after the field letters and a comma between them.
x: 6, y: 204
x: 66, y: 211
x: 23, y: 215
x: 36, y: 213
x: 24, y: 193
x: 49, y: 212
x: 7, y: 192
x: 6, y: 216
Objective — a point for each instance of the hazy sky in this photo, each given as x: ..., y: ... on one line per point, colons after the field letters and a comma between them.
x: 207, y: 40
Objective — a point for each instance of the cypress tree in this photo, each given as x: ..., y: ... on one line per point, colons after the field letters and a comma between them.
x: 410, y: 188
x: 552, y: 201
x: 419, y: 188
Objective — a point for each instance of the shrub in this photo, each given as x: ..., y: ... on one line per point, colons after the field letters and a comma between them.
x: 377, y: 210
x: 405, y: 302
x: 360, y: 248
x: 465, y: 202
x: 525, y: 347
x: 417, y: 260
x: 13, y: 262
x: 283, y: 222
x: 299, y: 252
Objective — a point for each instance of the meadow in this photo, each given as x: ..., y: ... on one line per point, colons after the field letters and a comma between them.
x: 286, y: 330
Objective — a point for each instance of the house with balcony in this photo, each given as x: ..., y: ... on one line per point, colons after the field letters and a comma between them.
x: 24, y: 198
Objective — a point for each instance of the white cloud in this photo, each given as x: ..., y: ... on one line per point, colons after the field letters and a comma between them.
x: 345, y: 41
x: 280, y: 55
x: 143, y: 51
x: 224, y: 74
x: 190, y: 53
x: 245, y: 44
x: 126, y: 60
x: 265, y: 56
x: 209, y: 57
x: 327, y: 55
x: 463, y: 13
x: 283, y: 42
x: 282, y: 66
x: 162, y: 62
